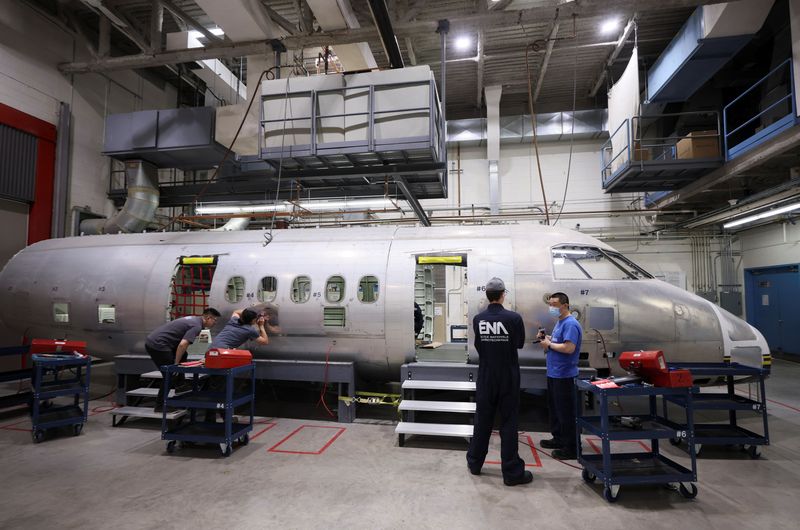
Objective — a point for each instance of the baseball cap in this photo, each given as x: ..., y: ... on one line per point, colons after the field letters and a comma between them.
x: 495, y: 284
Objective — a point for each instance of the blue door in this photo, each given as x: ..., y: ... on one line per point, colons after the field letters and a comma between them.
x: 771, y: 296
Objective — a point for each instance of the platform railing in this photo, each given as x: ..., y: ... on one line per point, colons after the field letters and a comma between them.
x: 774, y: 99
x: 610, y: 160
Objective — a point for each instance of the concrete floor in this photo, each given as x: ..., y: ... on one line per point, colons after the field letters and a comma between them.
x: 123, y: 478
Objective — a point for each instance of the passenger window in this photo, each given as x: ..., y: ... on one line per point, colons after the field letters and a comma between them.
x: 267, y: 289
x: 61, y: 312
x: 333, y: 317
x: 334, y: 289
x: 368, y: 289
x: 234, y: 292
x: 106, y: 313
x: 301, y: 289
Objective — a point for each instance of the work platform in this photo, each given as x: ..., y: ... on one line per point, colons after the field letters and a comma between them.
x: 130, y: 368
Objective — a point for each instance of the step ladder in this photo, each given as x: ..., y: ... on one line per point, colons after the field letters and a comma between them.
x: 409, y: 406
x: 135, y: 396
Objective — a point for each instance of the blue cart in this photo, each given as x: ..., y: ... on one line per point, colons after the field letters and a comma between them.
x: 730, y: 433
x: 210, y: 401
x: 615, y: 470
x: 54, y: 376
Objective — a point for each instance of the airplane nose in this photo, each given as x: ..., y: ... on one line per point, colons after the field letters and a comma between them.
x: 742, y: 343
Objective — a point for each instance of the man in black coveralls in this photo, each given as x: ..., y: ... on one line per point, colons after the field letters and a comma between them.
x: 499, y: 333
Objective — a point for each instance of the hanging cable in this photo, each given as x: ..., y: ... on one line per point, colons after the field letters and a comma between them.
x: 268, y: 235
x: 533, y: 126
x: 572, y: 132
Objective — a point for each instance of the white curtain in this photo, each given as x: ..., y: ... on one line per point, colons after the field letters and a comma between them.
x: 623, y: 104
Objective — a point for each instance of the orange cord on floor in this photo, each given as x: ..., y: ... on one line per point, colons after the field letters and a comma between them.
x: 325, y: 383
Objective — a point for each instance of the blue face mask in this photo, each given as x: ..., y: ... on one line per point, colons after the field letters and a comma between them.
x: 554, y: 311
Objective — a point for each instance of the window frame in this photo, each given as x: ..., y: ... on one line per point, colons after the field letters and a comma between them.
x: 244, y: 289
x: 294, y: 286
x: 377, y: 282
x: 341, y: 293
x: 259, y: 291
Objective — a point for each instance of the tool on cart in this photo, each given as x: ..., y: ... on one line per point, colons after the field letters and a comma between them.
x: 652, y: 368
x: 225, y: 358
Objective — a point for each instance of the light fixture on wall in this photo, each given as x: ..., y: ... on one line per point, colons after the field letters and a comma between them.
x: 609, y: 25
x: 763, y: 215
x: 463, y: 43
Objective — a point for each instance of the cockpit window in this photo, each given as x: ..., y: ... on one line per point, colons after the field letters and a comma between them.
x: 572, y: 262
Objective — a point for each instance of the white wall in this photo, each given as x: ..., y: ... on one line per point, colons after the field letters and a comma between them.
x: 31, y: 47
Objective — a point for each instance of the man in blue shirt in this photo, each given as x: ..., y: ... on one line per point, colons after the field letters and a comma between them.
x: 499, y: 333
x: 241, y: 328
x: 562, y: 348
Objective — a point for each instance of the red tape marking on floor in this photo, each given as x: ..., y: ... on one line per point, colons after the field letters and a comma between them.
x: 15, y: 429
x: 534, y: 452
x: 274, y: 448
x: 598, y: 450
x: 268, y: 424
x: 12, y: 424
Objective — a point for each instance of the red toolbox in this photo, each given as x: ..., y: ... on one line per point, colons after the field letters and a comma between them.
x: 652, y: 367
x: 220, y: 358
x: 55, y: 346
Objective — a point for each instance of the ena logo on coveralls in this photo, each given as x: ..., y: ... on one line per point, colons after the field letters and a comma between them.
x: 491, y: 328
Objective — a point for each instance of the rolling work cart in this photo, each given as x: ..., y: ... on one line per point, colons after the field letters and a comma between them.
x: 730, y: 433
x: 59, y: 375
x: 619, y: 469
x: 200, y: 399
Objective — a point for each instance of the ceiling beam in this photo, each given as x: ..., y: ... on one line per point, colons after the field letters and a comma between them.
x: 492, y: 19
x: 623, y: 39
x: 287, y: 26
x: 189, y: 21
x: 551, y: 41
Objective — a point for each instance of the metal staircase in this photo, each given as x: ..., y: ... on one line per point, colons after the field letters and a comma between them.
x: 409, y: 406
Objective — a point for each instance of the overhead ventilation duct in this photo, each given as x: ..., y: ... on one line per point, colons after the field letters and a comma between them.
x: 706, y: 42
x: 551, y: 127
x: 233, y: 225
x: 140, y: 208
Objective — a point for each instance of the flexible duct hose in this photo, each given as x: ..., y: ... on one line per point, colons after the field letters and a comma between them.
x: 139, y: 209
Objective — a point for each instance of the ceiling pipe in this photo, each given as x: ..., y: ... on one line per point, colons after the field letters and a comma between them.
x: 380, y: 15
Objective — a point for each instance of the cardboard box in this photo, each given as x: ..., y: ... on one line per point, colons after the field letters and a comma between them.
x: 699, y: 144
x: 640, y: 153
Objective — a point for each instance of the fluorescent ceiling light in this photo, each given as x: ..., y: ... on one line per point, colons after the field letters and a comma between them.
x: 763, y: 215
x: 609, y: 25
x: 463, y: 43
x: 214, y: 31
x: 314, y: 206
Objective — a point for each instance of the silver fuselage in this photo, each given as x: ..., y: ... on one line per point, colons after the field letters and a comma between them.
x: 133, y: 272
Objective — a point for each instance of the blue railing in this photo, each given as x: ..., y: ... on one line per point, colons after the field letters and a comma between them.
x: 773, y: 96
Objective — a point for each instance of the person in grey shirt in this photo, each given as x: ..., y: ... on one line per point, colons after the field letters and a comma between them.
x: 244, y: 325
x: 167, y: 344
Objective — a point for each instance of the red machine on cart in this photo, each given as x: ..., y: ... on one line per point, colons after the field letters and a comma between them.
x: 57, y: 346
x: 652, y: 368
x: 224, y: 358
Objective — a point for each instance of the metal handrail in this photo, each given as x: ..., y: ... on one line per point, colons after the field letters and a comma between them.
x: 789, y: 96
x: 608, y: 144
